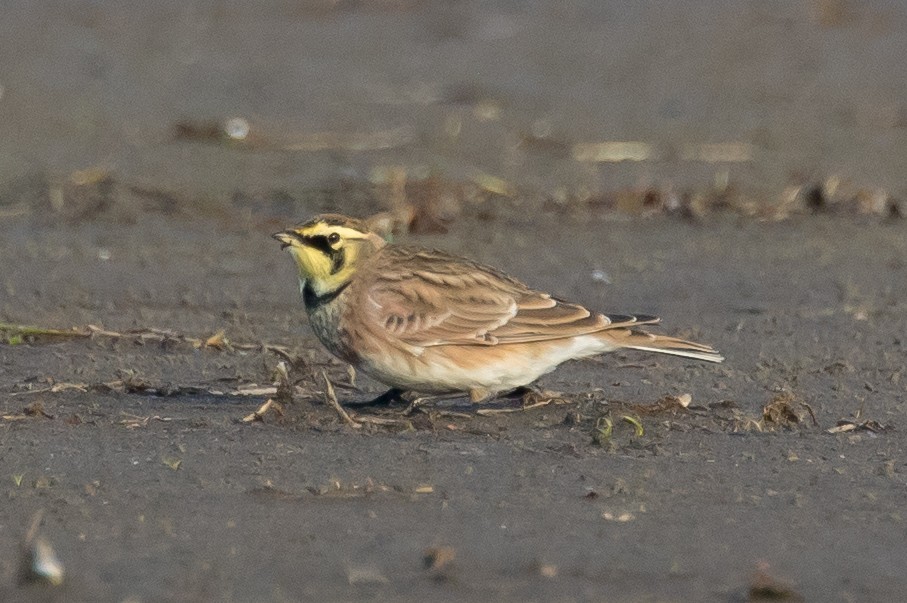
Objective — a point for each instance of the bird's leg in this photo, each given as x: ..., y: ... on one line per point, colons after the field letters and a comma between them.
x: 420, y: 401
x: 390, y: 396
x: 479, y: 395
x: 520, y: 392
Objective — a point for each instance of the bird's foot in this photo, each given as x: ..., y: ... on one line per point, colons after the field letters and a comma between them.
x: 522, y: 393
x: 420, y: 401
x: 389, y: 397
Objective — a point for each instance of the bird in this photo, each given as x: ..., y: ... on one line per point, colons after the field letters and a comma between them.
x: 427, y: 322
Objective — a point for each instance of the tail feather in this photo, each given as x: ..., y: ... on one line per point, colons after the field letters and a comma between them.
x: 710, y: 356
x: 635, y: 339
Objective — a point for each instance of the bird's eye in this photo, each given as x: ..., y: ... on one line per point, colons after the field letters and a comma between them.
x: 333, y: 238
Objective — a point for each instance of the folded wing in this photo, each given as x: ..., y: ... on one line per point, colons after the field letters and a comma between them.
x: 456, y: 302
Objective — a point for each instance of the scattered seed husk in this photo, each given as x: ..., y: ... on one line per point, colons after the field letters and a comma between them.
x: 619, y: 517
x: 612, y: 151
x: 365, y: 575
x: 547, y: 570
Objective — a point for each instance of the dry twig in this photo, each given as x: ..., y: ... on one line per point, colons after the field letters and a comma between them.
x: 259, y: 414
x: 330, y: 398
x: 17, y: 334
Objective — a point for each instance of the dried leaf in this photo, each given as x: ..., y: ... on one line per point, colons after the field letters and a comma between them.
x: 173, y: 463
x: 217, y: 341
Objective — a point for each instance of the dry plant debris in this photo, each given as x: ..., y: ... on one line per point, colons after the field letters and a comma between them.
x: 604, y: 428
x: 845, y: 425
x: 333, y: 489
x: 240, y: 133
x: 530, y: 401
x: 667, y: 404
x: 330, y: 399
x: 785, y: 410
x: 284, y: 389
x: 134, y: 422
x: 615, y: 151
x: 264, y: 409
x: 218, y: 341
x: 14, y: 334
x: 429, y: 204
x: 857, y: 423
x: 603, y: 431
x: 418, y: 202
x: 35, y: 409
x: 172, y: 462
x: 131, y: 384
x: 803, y: 197
x: 638, y: 429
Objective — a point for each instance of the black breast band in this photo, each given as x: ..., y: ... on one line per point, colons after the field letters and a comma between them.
x: 314, y: 301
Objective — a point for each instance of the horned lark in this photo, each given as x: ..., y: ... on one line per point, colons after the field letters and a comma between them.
x: 426, y: 321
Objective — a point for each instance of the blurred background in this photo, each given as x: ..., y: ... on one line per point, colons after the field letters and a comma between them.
x: 148, y: 149
x: 765, y: 107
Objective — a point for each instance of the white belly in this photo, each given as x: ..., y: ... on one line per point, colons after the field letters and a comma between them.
x: 462, y: 368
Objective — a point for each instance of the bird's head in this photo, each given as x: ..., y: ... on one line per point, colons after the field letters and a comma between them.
x: 329, y: 249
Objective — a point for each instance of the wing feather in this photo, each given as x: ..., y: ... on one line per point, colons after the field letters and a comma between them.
x: 429, y: 298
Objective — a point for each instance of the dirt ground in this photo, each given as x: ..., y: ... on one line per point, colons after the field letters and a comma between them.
x: 133, y: 224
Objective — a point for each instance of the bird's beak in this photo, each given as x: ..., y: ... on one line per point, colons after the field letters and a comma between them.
x: 285, y: 237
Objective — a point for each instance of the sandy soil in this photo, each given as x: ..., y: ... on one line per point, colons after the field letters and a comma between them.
x: 153, y: 488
